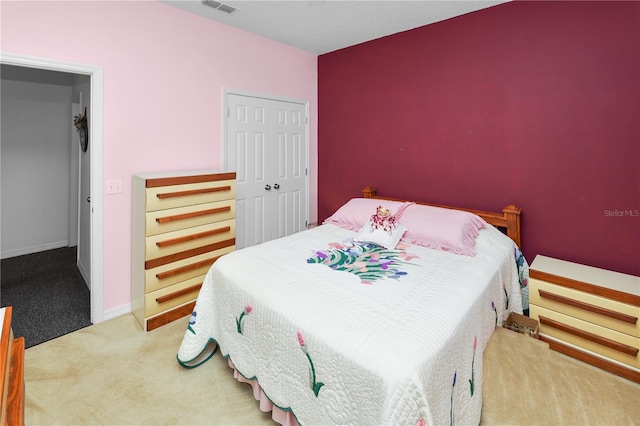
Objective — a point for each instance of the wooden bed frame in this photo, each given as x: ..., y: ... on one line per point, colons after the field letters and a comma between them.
x: 508, y: 219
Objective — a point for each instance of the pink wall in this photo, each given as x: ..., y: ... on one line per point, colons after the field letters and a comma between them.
x: 164, y: 75
x: 532, y: 103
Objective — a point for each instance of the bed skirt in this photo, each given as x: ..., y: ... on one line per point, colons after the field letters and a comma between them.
x: 285, y: 418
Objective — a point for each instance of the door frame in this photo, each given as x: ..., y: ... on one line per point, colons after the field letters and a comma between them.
x: 74, y: 181
x: 96, y: 136
x: 251, y: 94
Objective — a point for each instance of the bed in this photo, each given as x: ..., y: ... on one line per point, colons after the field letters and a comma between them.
x: 349, y: 323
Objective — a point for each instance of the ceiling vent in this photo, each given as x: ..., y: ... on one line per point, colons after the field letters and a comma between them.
x: 217, y: 5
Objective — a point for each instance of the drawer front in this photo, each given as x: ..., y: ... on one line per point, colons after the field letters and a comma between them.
x: 168, y: 197
x: 161, y: 221
x: 188, y: 239
x: 585, y: 306
x: 170, y: 297
x: 175, y: 272
x: 606, y: 342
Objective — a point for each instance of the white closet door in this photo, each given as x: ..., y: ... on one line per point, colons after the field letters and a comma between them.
x: 289, y: 169
x: 267, y: 147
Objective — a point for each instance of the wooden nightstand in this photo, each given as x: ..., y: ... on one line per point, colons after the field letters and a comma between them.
x: 588, y: 313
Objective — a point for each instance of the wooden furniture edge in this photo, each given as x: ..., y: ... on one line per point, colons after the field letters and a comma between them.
x: 159, y: 261
x: 178, y: 293
x: 616, y: 295
x: 603, y: 341
x: 588, y: 307
x: 5, y: 358
x: 180, y: 180
x: 16, y: 394
x: 509, y: 218
x: 170, y: 316
x: 191, y: 215
x: 186, y: 268
x: 178, y: 194
x: 12, y: 389
x: 191, y: 237
x: 609, y: 366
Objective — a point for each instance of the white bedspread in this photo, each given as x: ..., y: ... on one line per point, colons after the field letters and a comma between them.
x: 336, y: 350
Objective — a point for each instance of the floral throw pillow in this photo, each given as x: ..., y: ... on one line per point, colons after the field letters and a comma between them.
x: 382, y: 229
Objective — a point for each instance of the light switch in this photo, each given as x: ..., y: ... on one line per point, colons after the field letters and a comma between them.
x: 114, y: 186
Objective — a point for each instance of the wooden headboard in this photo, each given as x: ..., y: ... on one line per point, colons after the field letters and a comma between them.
x: 508, y: 219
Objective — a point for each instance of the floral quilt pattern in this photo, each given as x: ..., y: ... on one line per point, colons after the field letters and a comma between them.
x: 369, y: 262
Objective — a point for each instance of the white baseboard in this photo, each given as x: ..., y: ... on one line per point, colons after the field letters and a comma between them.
x: 85, y: 275
x: 116, y: 312
x: 34, y: 249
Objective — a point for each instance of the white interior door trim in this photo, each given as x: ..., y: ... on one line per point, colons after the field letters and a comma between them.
x: 96, y: 112
x: 74, y: 181
x: 225, y: 107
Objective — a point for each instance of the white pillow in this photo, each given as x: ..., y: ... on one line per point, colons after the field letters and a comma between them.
x: 380, y: 237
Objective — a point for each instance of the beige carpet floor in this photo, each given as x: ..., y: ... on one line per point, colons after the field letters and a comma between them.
x: 526, y: 383
x: 115, y: 374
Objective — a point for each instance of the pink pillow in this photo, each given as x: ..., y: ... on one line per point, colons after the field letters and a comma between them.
x: 441, y: 228
x: 356, y: 212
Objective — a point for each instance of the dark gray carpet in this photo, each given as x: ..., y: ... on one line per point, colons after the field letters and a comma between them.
x: 48, y: 295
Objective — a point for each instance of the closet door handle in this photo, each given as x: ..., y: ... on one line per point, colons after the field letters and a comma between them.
x: 88, y: 199
x: 276, y: 186
x: 267, y: 187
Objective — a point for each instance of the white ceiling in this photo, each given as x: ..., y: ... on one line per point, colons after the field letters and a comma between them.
x: 321, y: 26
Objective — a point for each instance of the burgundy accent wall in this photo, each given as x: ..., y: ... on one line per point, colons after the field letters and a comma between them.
x: 531, y: 103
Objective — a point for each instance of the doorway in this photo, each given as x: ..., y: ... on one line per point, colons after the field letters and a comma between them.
x: 94, y: 221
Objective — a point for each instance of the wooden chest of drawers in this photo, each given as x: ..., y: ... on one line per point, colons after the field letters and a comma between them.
x: 588, y: 313
x: 181, y: 224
